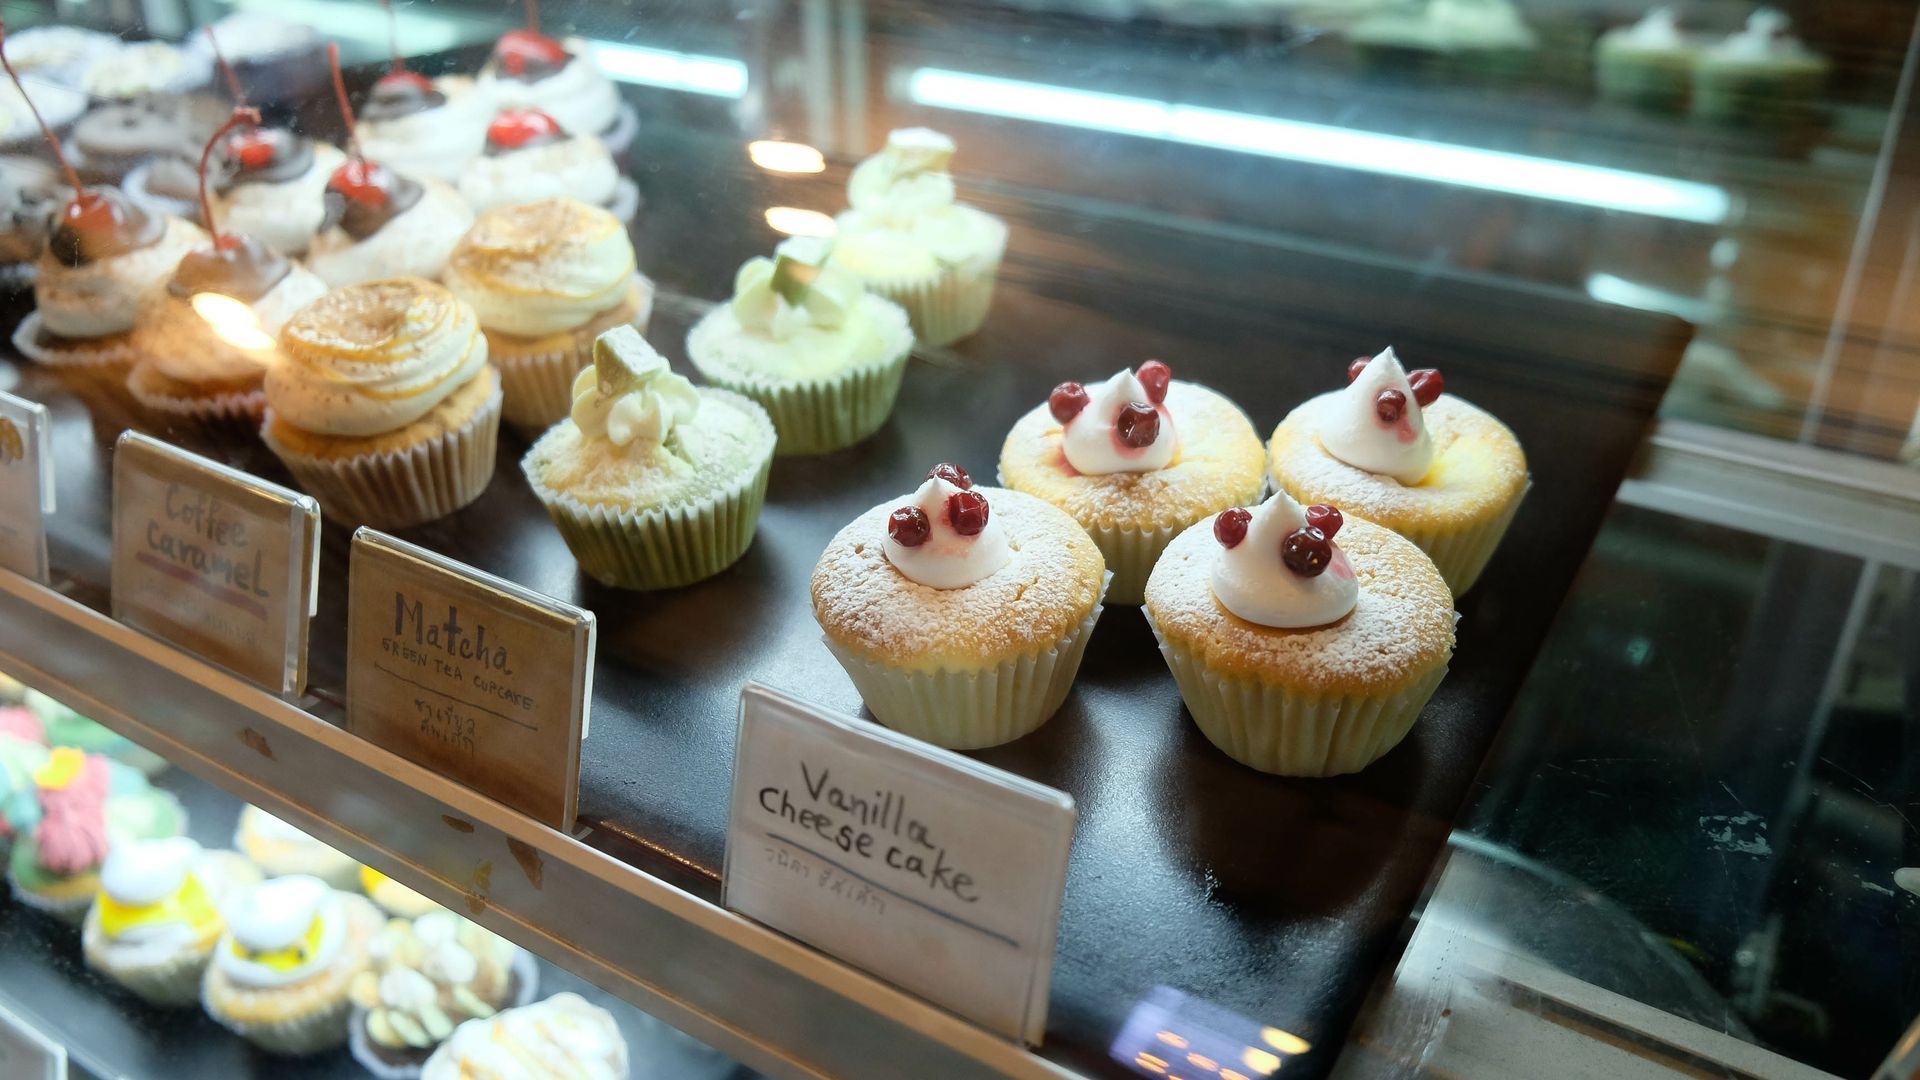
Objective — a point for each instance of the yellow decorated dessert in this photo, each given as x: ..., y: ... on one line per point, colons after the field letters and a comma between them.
x: 546, y: 279
x: 383, y: 405
x: 1135, y: 460
x: 153, y: 926
x: 562, y: 1036
x: 1295, y: 654
x: 1392, y: 448
x: 394, y: 898
x: 280, y: 973
x: 960, y: 613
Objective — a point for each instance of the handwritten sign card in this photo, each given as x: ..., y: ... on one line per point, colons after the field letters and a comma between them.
x: 26, y: 486
x: 215, y: 561
x: 26, y: 1053
x: 477, y: 678
x: 926, y: 868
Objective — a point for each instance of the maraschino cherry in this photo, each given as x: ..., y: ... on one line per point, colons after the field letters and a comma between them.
x: 1357, y: 365
x: 236, y: 266
x: 1390, y: 406
x: 967, y: 512
x: 362, y: 195
x: 527, y: 53
x: 98, y: 222
x: 1427, y: 385
x: 1325, y: 518
x: 514, y: 129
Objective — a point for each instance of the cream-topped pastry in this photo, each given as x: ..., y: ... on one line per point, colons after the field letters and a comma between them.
x: 153, y: 926
x: 1394, y: 448
x: 430, y: 974
x: 274, y: 186
x: 960, y: 612
x: 912, y: 243
x: 529, y: 70
x: 1134, y: 459
x: 280, y: 973
x: 539, y: 268
x: 421, y: 127
x: 139, y: 68
x: 93, y: 279
x: 279, y: 848
x: 561, y: 1036
x: 1304, y: 643
x: 529, y: 156
x: 282, y: 931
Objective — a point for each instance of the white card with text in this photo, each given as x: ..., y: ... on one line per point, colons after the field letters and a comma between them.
x: 26, y: 1053
x: 26, y: 486
x: 929, y: 869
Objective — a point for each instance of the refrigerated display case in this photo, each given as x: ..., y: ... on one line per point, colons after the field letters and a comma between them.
x: 1654, y: 820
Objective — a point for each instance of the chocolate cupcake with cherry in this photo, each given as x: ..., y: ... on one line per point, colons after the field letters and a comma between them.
x: 105, y: 255
x: 1305, y: 642
x: 379, y: 222
x: 1135, y: 460
x: 530, y: 157
x: 1398, y: 450
x: 960, y: 612
x: 421, y: 126
x: 206, y: 341
x: 529, y: 70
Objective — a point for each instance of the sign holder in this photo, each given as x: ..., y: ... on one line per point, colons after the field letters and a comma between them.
x: 26, y: 485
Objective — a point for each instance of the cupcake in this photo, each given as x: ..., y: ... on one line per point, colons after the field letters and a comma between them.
x: 59, y: 54
x: 1760, y: 76
x: 392, y: 897
x: 1135, y: 460
x: 85, y: 805
x: 153, y: 926
x: 429, y: 976
x: 273, y: 186
x: 275, y: 61
x: 652, y: 483
x: 59, y: 105
x: 805, y: 340
x: 1470, y: 40
x: 529, y: 70
x: 206, y: 341
x: 138, y: 69
x: 108, y: 144
x: 281, y: 971
x: 279, y: 850
x: 960, y: 613
x: 911, y: 243
x: 545, y: 280
x: 23, y: 750
x: 429, y: 128
x: 382, y: 404
x: 380, y: 223
x: 529, y: 156
x: 561, y: 1036
x: 1390, y: 448
x: 1295, y: 654
x: 1648, y: 65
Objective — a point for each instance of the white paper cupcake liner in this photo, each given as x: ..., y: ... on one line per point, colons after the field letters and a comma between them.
x: 322, y: 1029
x: 826, y: 414
x: 659, y: 547
x: 214, y: 416
x: 396, y: 489
x: 968, y: 710
x: 948, y: 307
x: 1461, y: 556
x: 525, y: 969
x: 172, y: 982
x: 1130, y: 555
x: 1289, y: 732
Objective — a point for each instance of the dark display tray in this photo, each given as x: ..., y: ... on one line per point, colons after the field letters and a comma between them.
x: 1273, y: 899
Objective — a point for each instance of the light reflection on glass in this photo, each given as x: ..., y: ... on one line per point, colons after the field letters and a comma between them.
x: 1285, y: 1041
x: 797, y: 222
x: 1171, y: 1034
x: 1178, y: 1042
x: 234, y: 321
x: 1201, y: 1061
x: 786, y: 157
x: 1259, y: 1060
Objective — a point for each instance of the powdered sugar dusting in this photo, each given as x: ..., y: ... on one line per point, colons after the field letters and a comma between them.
x: 1049, y: 586
x: 1400, y: 628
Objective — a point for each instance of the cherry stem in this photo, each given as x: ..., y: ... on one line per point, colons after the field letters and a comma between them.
x: 233, y: 78
x: 533, y: 15
x: 52, y: 139
x: 399, y: 62
x: 340, y: 91
x: 241, y: 115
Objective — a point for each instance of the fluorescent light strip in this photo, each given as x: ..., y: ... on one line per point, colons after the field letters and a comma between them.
x: 1296, y: 140
x: 691, y: 72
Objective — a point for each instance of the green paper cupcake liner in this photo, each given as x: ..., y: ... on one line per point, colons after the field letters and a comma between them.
x: 72, y: 910
x: 393, y: 490
x: 170, y: 982
x: 826, y: 414
x: 968, y: 710
x: 1289, y: 732
x: 950, y: 306
x: 1461, y: 556
x: 1657, y: 80
x: 657, y: 548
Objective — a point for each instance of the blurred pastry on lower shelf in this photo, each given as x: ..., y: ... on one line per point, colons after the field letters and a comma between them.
x: 430, y: 975
x: 84, y: 806
x: 561, y: 1036
x: 279, y: 849
x: 153, y: 926
x: 281, y: 971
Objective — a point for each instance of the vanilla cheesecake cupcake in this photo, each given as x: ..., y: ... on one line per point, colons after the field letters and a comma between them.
x: 1295, y: 654
x: 274, y: 186
x: 1135, y: 460
x: 652, y: 483
x: 382, y: 404
x: 280, y: 973
x: 427, y: 128
x: 279, y: 850
x: 1392, y: 449
x: 153, y: 926
x: 822, y: 355
x: 529, y: 157
x: 546, y: 279
x: 911, y: 243
x: 960, y: 613
x: 529, y: 70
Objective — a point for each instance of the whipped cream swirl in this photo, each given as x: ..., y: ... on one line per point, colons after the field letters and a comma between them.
x: 1764, y: 37
x: 267, y: 923
x: 1658, y: 29
x: 906, y: 180
x: 1352, y: 430
x: 542, y: 267
x: 630, y: 394
x: 1092, y: 443
x: 947, y: 559
x: 1251, y: 580
x: 148, y: 871
x: 794, y: 289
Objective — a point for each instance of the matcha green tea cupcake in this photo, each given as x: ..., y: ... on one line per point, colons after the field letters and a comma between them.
x: 654, y: 484
x: 1760, y: 77
x: 822, y: 355
x: 1648, y: 65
